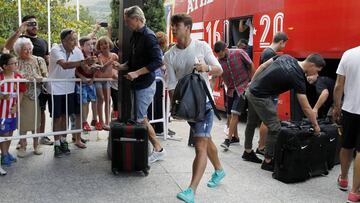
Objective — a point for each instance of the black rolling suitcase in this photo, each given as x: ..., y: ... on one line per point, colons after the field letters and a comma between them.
x: 291, y: 157
x: 331, y: 139
x: 129, y: 147
x: 318, y: 165
x: 128, y: 140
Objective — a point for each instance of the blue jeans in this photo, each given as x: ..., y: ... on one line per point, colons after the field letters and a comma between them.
x: 203, y: 128
x: 144, y: 98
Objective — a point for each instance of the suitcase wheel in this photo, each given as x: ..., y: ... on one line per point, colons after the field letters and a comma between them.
x: 115, y: 172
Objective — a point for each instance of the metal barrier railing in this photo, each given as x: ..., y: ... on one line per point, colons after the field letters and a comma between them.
x: 164, y: 119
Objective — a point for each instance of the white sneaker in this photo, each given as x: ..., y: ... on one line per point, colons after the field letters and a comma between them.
x: 37, y: 151
x: 2, y: 172
x: 21, y: 152
x: 157, y: 156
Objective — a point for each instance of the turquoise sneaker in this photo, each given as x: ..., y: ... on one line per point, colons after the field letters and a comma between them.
x: 187, y: 196
x: 216, y: 177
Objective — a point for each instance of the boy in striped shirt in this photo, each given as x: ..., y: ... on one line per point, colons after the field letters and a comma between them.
x: 8, y: 105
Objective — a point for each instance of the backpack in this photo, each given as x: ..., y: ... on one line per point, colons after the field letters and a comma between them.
x: 189, y: 99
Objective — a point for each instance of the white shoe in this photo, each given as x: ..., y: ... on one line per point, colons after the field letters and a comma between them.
x: 157, y: 156
x: 2, y: 172
x: 21, y: 152
x: 37, y: 151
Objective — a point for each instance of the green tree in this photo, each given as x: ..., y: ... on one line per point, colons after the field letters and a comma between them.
x: 155, y: 15
x: 62, y: 17
x: 154, y: 12
x: 115, y: 17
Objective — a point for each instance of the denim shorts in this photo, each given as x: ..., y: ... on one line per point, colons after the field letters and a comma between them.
x: 88, y: 92
x: 203, y: 128
x: 102, y: 84
x: 7, y: 125
x: 144, y: 97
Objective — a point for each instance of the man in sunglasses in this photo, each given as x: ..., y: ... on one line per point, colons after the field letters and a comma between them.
x: 29, y: 29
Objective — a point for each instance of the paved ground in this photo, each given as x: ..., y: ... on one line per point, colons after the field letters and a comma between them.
x: 85, y: 176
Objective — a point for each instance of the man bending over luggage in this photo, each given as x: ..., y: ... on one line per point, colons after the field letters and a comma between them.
x: 324, y: 90
x: 181, y: 60
x: 276, y: 76
x: 144, y: 59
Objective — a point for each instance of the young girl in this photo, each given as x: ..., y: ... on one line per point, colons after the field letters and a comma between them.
x: 8, y: 105
x: 107, y: 59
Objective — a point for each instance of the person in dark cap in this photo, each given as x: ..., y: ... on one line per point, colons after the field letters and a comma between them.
x: 64, y: 58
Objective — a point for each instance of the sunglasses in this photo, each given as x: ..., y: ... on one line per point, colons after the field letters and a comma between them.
x: 32, y: 24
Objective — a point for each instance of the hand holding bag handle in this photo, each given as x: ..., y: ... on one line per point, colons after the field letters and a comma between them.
x: 208, y: 94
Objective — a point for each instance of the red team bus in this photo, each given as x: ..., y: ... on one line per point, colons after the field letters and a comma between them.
x: 313, y: 26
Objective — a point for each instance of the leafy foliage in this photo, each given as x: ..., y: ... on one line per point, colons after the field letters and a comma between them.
x: 62, y: 17
x: 154, y: 13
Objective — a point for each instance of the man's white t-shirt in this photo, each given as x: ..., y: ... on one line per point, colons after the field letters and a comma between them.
x: 180, y: 62
x: 56, y: 71
x: 349, y: 67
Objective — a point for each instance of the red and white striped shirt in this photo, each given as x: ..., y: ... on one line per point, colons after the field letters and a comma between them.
x: 9, y: 88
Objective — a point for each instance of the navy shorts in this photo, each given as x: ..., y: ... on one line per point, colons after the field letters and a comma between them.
x: 60, y: 105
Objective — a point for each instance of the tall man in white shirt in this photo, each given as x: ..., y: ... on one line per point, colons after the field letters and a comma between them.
x: 347, y: 85
x: 180, y: 60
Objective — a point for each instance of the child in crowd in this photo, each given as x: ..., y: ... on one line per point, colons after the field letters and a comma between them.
x: 88, y: 87
x: 107, y: 60
x: 8, y: 105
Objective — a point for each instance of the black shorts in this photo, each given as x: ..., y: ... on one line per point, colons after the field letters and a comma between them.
x: 43, y: 99
x: 351, y: 134
x: 235, y: 104
x: 60, y: 105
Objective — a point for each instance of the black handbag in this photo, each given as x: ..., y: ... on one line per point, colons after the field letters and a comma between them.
x: 189, y: 99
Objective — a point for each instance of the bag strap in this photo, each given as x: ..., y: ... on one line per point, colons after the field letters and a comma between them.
x: 210, y: 98
x: 231, y: 73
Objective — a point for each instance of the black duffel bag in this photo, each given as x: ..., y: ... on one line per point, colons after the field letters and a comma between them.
x: 189, y: 99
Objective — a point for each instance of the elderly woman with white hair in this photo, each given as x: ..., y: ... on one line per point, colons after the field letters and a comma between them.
x: 32, y: 68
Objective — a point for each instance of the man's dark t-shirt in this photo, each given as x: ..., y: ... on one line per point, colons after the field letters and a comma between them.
x: 282, y: 75
x: 321, y: 84
x: 40, y: 46
x: 267, y: 54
